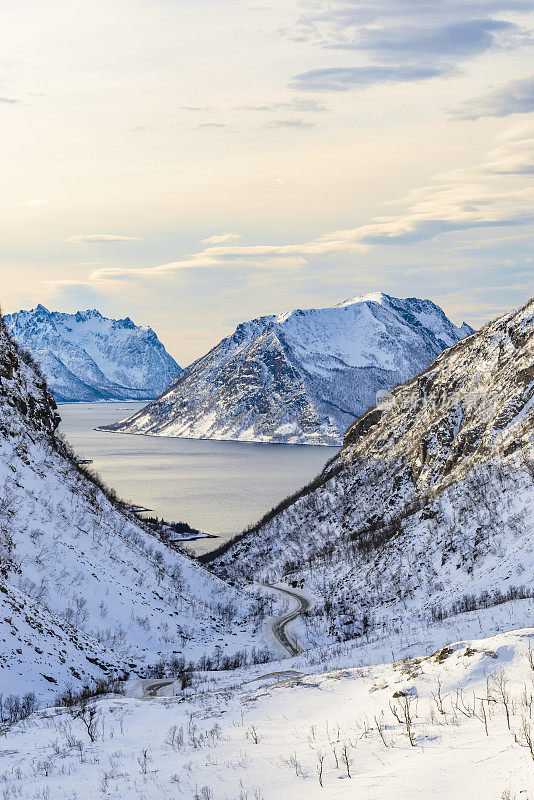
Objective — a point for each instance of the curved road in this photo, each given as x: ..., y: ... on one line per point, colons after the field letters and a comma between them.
x: 279, y: 625
x: 151, y: 686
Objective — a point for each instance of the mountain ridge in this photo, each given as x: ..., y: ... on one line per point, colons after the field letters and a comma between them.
x: 86, y: 356
x: 427, y: 510
x: 300, y: 377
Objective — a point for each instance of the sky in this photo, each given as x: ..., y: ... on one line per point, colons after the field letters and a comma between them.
x: 198, y: 163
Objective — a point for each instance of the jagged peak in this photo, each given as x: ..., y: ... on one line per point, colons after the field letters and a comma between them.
x: 371, y: 297
x: 90, y: 313
x: 88, y: 356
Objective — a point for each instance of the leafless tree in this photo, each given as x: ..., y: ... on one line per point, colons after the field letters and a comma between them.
x: 524, y: 737
x: 403, y: 713
x: 501, y: 692
x: 345, y: 758
x: 380, y: 727
x: 90, y: 717
x: 253, y: 734
x: 319, y: 766
x: 438, y: 698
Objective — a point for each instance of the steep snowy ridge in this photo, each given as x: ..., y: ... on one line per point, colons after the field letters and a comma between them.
x: 85, y: 590
x: 428, y: 510
x: 300, y: 377
x: 86, y: 356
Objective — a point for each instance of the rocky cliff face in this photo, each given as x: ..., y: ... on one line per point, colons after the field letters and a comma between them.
x: 300, y: 377
x: 86, y: 356
x: 428, y: 510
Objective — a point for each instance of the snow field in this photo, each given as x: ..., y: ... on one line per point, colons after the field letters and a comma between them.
x: 454, y: 724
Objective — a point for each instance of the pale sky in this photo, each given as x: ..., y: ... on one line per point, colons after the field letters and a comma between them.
x: 193, y: 164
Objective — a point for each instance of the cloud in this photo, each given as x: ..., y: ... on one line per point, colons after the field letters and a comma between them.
x: 220, y: 238
x: 210, y: 125
x: 406, y: 40
x: 412, y: 42
x: 465, y: 200
x: 9, y: 100
x: 409, y: 28
x: 344, y: 79
x: 287, y: 122
x: 36, y: 202
x: 101, y: 238
x: 304, y: 105
x: 515, y: 156
x: 198, y: 109
x: 515, y: 97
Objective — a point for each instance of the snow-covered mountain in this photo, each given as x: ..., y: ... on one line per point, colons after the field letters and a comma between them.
x: 86, y: 356
x: 300, y: 377
x: 85, y: 589
x: 428, y: 510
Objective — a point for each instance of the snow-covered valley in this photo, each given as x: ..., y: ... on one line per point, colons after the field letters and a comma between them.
x: 130, y: 671
x: 454, y: 723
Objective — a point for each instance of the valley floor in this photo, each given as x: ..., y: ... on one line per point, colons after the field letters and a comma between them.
x: 454, y: 724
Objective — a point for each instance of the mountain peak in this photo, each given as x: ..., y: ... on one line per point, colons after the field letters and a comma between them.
x: 86, y: 356
x: 372, y: 297
x: 90, y: 313
x: 300, y: 377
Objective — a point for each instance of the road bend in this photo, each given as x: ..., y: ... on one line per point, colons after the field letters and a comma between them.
x: 279, y: 625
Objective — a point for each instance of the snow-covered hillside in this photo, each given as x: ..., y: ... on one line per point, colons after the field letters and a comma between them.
x: 428, y: 510
x: 85, y: 590
x: 86, y: 356
x: 454, y: 724
x: 300, y: 377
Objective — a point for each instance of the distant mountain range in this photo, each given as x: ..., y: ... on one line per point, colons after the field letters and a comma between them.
x: 301, y: 377
x: 86, y: 356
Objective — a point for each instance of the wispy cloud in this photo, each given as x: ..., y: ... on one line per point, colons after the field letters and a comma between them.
x: 287, y: 122
x: 406, y: 29
x: 405, y: 40
x: 221, y: 238
x: 344, y: 79
x: 101, y: 238
x: 515, y: 97
x: 9, y: 100
x: 202, y: 125
x: 462, y: 201
x: 36, y: 202
x: 198, y: 109
x: 514, y: 156
x: 303, y: 105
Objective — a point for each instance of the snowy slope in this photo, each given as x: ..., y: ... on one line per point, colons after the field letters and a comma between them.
x: 86, y: 356
x: 300, y: 377
x: 85, y: 590
x: 291, y: 735
x: 428, y: 510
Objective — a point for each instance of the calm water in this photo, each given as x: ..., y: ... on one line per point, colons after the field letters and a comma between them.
x: 218, y: 487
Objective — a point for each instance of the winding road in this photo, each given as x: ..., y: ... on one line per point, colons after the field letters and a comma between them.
x: 279, y: 625
x: 151, y: 687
